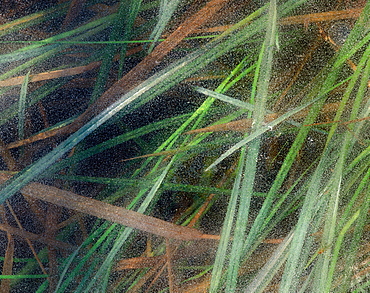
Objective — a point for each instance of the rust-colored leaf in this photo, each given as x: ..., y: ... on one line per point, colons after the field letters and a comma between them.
x: 110, y: 212
x: 35, y: 237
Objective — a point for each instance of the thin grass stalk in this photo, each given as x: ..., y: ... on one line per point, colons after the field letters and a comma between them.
x: 246, y: 191
x: 34, y: 97
x: 286, y: 205
x: 355, y: 197
x: 22, y: 105
x: 349, y: 89
x: 87, y: 275
x: 336, y: 250
x: 358, y: 160
x: 47, y: 44
x: 107, y: 264
x: 265, y: 128
x: 129, y: 14
x: 218, y: 266
x: 298, y: 255
x: 51, y: 50
x: 245, y: 195
x: 63, y: 284
x: 322, y: 280
x: 222, y: 88
x: 357, y: 234
x: 271, y: 267
x: 360, y: 99
x: 350, y: 257
x: 202, y: 111
x: 328, y: 236
x: 199, y: 115
x: 136, y: 133
x: 22, y: 55
x: 227, y: 99
x: 123, y: 21
x: 359, y: 229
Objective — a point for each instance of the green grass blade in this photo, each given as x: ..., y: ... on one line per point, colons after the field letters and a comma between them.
x: 324, y: 280
x: 218, y: 266
x: 271, y: 267
x: 166, y: 11
x: 246, y: 190
x: 225, y: 98
x: 261, y: 130
x: 298, y: 250
x: 107, y: 264
x: 22, y: 105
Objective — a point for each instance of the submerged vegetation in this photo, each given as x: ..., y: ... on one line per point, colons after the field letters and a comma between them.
x: 185, y: 146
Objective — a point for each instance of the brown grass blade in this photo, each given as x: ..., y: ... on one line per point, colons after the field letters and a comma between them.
x: 60, y: 73
x: 35, y: 237
x: 322, y: 16
x: 140, y: 72
x: 50, y: 74
x: 8, y: 264
x: 30, y: 245
x: 138, y: 262
x: 110, y: 212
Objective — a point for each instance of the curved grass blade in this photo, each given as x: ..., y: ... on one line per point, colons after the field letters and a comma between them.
x: 261, y: 130
x: 272, y: 266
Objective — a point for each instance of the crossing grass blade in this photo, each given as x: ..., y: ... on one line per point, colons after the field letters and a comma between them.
x: 263, y: 75
x: 325, y: 202
x: 166, y: 10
